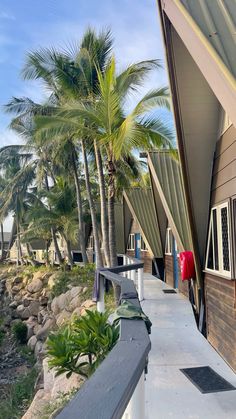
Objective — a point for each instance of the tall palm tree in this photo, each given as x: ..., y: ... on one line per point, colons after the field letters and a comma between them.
x: 115, y: 132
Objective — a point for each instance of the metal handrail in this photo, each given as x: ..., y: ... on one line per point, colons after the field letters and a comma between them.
x: 107, y: 393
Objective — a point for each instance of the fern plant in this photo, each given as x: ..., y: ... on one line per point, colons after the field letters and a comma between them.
x: 81, y: 345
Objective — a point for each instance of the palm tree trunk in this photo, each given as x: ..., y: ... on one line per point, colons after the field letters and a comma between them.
x: 98, y: 253
x: 79, y: 207
x: 47, y: 261
x: 111, y: 219
x: 54, y: 237
x: 2, y: 242
x: 56, y: 246
x: 69, y: 252
x: 104, y: 217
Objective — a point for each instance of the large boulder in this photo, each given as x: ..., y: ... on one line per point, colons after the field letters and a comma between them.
x: 63, y: 317
x: 42, y: 334
x: 35, y: 285
x: 60, y: 303
x: 32, y: 342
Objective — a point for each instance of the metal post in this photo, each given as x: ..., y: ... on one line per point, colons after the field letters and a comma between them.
x: 140, y: 284
x: 101, y: 302
x: 136, y: 406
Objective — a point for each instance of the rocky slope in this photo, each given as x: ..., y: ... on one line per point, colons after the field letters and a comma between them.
x: 28, y: 296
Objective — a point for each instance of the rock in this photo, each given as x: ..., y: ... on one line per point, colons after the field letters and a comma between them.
x: 75, y: 291
x: 60, y: 303
x: 17, y: 288
x: 42, y: 334
x: 37, y: 407
x: 43, y: 300
x: 13, y: 304
x: 35, y: 286
x: 52, y: 280
x: 63, y: 317
x: 87, y: 305
x: 76, y: 302
x: 30, y: 329
x: 36, y: 328
x: 17, y: 280
x: 85, y: 289
x: 76, y: 312
x: 32, y: 342
x: 26, y: 301
x: 38, y: 348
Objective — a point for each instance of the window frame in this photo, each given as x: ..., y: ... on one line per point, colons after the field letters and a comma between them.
x: 131, y: 242
x: 169, y: 242
x: 142, y: 242
x: 221, y: 271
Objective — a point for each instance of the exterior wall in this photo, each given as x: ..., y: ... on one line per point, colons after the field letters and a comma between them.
x: 169, y: 270
x: 169, y: 276
x: 224, y: 172
x: 220, y: 293
x: 221, y: 316
x: 145, y: 256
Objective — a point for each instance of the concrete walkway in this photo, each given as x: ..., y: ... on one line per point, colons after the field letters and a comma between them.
x: 176, y: 343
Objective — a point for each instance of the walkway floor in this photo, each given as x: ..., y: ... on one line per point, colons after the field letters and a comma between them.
x: 176, y: 343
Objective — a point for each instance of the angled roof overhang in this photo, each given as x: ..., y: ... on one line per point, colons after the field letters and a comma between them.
x: 195, y: 22
x: 167, y: 184
x: 202, y: 85
x: 139, y: 205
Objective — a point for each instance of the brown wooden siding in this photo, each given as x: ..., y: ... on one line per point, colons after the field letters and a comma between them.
x: 221, y: 316
x: 224, y: 171
x: 145, y: 256
x: 169, y: 270
x: 169, y: 276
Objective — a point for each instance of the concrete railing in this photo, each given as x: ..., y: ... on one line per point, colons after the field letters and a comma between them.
x: 116, y: 389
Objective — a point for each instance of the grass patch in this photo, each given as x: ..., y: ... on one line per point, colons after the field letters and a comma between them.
x: 78, y: 276
x: 18, y: 396
x: 55, y: 406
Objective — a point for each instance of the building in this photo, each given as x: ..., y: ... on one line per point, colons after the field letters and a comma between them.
x: 199, y: 39
x: 141, y: 230
x: 171, y: 210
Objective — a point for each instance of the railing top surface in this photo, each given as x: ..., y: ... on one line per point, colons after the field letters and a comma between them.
x: 107, y: 393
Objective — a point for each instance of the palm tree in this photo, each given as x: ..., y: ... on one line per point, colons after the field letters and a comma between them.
x: 118, y: 134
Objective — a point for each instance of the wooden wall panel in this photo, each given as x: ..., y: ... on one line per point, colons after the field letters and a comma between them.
x: 169, y: 270
x: 224, y: 170
x: 220, y: 297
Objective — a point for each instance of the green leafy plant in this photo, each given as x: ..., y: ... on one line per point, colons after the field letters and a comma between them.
x: 81, y: 345
x: 79, y: 275
x: 19, y: 331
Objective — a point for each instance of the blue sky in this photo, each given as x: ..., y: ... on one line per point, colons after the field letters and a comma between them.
x: 29, y: 24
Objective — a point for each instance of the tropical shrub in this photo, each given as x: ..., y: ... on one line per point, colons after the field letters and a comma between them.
x: 19, y: 331
x: 81, y: 345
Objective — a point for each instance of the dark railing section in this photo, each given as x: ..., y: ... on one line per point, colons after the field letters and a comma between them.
x: 107, y: 393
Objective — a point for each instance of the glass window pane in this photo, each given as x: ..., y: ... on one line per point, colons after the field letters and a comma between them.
x: 215, y: 231
x: 210, y: 264
x: 225, y: 238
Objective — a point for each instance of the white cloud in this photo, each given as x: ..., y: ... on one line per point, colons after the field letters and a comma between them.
x: 9, y: 137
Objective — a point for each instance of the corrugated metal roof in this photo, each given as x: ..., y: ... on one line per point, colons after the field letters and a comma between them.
x: 141, y: 204
x: 217, y: 21
x: 166, y: 174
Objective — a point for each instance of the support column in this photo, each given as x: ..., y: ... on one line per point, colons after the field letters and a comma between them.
x: 140, y: 284
x: 101, y: 302
x: 136, y: 406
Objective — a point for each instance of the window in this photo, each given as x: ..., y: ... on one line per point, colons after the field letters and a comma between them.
x: 218, y: 248
x: 91, y: 242
x: 169, y: 241
x: 143, y: 245
x: 131, y: 242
